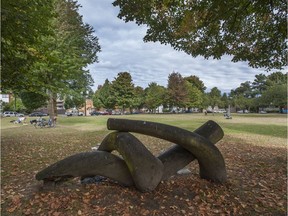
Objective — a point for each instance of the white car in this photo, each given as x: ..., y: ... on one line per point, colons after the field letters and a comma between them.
x: 74, y: 113
x: 243, y: 111
x: 221, y: 111
x: 262, y: 112
x: 9, y: 114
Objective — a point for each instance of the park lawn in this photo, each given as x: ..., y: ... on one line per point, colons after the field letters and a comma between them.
x: 254, y: 148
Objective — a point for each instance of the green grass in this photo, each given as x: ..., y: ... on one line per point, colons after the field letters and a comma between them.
x: 269, y: 130
x: 274, y: 125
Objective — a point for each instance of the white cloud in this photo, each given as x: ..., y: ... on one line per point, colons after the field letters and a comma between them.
x: 123, y: 49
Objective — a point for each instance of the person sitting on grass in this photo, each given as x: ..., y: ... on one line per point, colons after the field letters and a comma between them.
x: 19, y: 120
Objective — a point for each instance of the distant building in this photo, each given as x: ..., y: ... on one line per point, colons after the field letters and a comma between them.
x: 88, y: 107
x: 6, y: 98
x: 160, y: 109
x: 60, y: 106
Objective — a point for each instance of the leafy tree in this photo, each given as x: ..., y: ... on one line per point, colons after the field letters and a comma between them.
x: 275, y: 95
x: 15, y: 105
x: 33, y: 100
x: 176, y: 89
x: 243, y: 97
x: 123, y: 90
x: 242, y: 102
x: 139, y: 98
x: 74, y: 101
x: 215, y: 97
x: 262, y: 82
x: 70, y: 48
x: 206, y: 101
x: 194, y: 94
x: 225, y: 100
x: 195, y: 81
x: 155, y: 95
x: 23, y: 24
x: 259, y: 84
x: 58, y: 42
x: 96, y: 101
x: 103, y: 96
x: 244, y: 89
x: 277, y: 78
x: 243, y: 29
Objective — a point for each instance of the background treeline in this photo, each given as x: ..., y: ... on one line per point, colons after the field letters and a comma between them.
x: 189, y: 92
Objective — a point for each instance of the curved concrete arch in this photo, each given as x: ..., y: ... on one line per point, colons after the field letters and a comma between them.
x: 210, y: 159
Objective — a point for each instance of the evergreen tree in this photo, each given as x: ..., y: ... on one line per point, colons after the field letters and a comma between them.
x: 123, y: 90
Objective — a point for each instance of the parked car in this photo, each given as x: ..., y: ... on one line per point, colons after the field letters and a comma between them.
x: 74, y: 113
x: 243, y: 111
x: 221, y: 111
x: 20, y: 115
x: 40, y: 114
x: 93, y: 113
x: 114, y: 112
x: 263, y: 112
x: 9, y: 113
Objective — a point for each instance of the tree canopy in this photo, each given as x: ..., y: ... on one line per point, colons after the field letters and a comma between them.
x: 45, y: 48
x: 103, y: 96
x: 252, y: 31
x: 275, y: 95
x: 22, y: 24
x: 123, y: 90
x: 155, y: 96
x: 176, y: 89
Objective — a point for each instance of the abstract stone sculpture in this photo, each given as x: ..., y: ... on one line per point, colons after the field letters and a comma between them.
x: 138, y: 166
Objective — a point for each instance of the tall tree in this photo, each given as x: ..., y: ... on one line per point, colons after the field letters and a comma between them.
x: 176, y: 89
x: 243, y: 29
x: 70, y: 48
x: 245, y: 89
x: 139, y: 98
x: 33, y: 100
x: 74, y: 101
x: 23, y: 23
x: 225, y: 100
x: 275, y: 95
x: 195, y: 81
x: 241, y: 102
x: 46, y: 46
x: 103, y: 96
x: 123, y: 90
x: 194, y: 94
x: 277, y: 78
x: 259, y: 84
x: 215, y: 97
x: 155, y: 95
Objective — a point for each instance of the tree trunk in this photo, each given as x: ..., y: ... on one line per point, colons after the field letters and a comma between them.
x: 52, y: 107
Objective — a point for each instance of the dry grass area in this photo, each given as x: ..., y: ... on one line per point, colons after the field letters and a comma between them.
x: 256, y: 166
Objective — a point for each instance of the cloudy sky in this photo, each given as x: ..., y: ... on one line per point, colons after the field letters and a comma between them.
x: 123, y: 49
